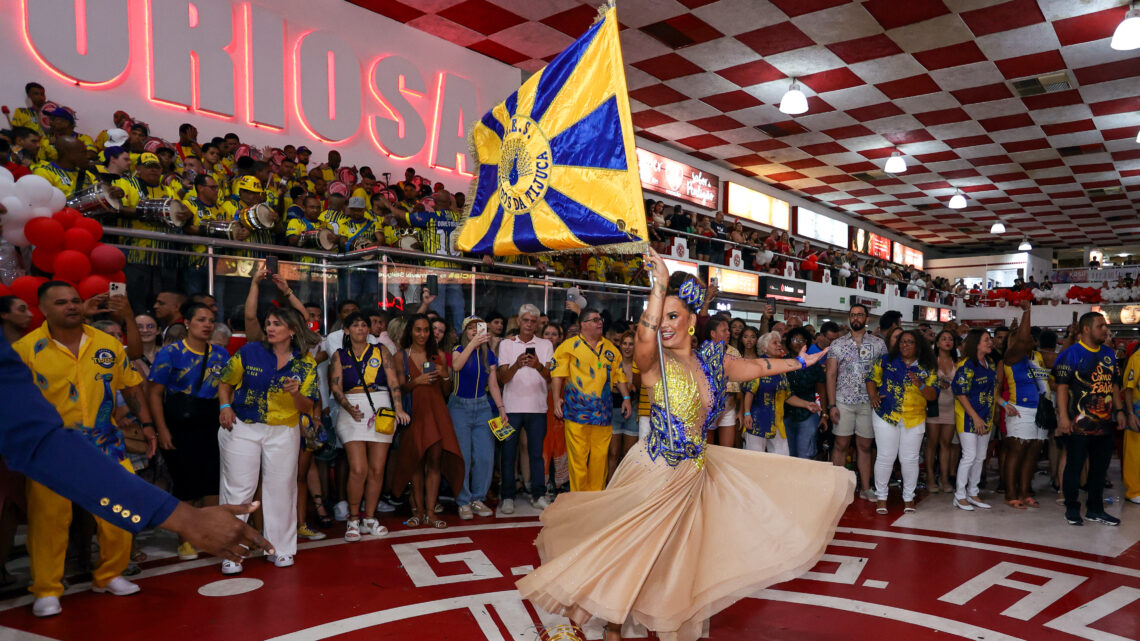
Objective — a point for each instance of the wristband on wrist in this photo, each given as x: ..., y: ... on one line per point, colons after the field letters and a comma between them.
x: 626, y: 398
x: 224, y: 406
x: 803, y: 362
x: 748, y: 413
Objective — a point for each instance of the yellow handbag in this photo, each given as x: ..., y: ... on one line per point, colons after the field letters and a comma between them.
x: 384, y: 421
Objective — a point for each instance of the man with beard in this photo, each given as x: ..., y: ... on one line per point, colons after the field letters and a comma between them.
x: 148, y: 269
x: 849, y: 405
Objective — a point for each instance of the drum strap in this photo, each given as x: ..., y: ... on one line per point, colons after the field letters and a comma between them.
x: 366, y: 227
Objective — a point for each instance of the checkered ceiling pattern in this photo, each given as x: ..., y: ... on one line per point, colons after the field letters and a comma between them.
x: 932, y: 79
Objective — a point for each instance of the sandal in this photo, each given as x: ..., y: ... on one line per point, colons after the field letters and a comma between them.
x: 439, y: 524
x: 908, y: 507
x: 416, y: 520
x: 1015, y: 504
x: 882, y: 508
x: 323, y: 517
x: 1029, y: 501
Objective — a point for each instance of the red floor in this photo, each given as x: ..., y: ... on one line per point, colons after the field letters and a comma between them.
x: 877, y: 582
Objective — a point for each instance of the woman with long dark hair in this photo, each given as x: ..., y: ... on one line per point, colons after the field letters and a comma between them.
x: 940, y: 429
x: 973, y: 387
x: 899, y: 387
x: 748, y: 338
x: 267, y: 389
x: 359, y: 379
x: 616, y: 554
x: 183, y: 398
x: 428, y: 449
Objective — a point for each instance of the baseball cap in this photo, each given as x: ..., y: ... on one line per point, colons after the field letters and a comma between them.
x: 148, y: 159
x: 248, y: 183
x: 116, y: 138
x: 60, y: 112
x: 356, y: 202
x: 304, y: 150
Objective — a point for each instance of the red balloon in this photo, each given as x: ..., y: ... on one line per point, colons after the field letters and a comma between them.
x: 25, y: 287
x: 72, y: 266
x: 44, y: 258
x: 91, y: 226
x: 4, y: 291
x: 66, y: 217
x: 106, y: 259
x: 79, y: 240
x: 93, y: 285
x: 44, y: 232
x: 118, y: 277
x: 37, y: 317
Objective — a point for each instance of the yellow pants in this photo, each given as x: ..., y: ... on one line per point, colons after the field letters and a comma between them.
x: 588, y: 447
x: 1130, y: 461
x: 49, y: 517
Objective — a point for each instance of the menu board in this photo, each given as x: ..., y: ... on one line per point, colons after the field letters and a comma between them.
x: 759, y: 207
x: 678, y: 180
x: 871, y: 244
x: 904, y: 255
x: 820, y: 227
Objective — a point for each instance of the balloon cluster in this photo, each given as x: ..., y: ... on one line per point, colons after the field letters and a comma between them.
x: 811, y: 263
x: 65, y: 244
x: 1055, y: 295
x: 1086, y: 295
x: 1010, y: 296
x: 1121, y: 294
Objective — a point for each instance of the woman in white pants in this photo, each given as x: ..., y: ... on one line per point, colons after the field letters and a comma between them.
x: 764, y: 400
x: 899, y: 386
x: 973, y: 388
x: 267, y: 388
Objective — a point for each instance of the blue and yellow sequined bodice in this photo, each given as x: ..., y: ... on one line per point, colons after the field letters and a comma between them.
x: 685, y: 404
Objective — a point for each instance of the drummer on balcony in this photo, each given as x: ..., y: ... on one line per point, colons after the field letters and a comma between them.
x: 250, y: 194
x: 148, y: 268
x: 206, y: 206
x: 65, y: 172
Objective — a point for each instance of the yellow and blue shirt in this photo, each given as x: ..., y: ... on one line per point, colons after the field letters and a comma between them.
x: 1024, y: 380
x: 350, y: 230
x: 899, y: 398
x: 27, y: 117
x: 437, y: 232
x: 1089, y: 373
x: 177, y: 367
x: 203, y: 213
x: 589, y: 373
x: 298, y: 225
x: 82, y: 387
x: 134, y: 190
x: 65, y: 180
x: 769, y: 394
x: 976, y: 381
x: 258, y: 393
x: 1132, y: 379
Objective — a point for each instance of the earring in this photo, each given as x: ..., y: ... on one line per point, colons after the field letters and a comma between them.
x: 692, y: 331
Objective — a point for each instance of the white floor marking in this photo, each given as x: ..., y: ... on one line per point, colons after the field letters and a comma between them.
x: 12, y: 634
x: 421, y: 573
x: 1077, y: 622
x: 1040, y: 596
x: 230, y: 587
x: 930, y: 621
x: 862, y: 545
x: 847, y: 573
x: 875, y: 583
x: 522, y: 570
x: 990, y: 547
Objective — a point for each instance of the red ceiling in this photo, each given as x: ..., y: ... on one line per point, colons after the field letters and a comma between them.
x: 931, y: 78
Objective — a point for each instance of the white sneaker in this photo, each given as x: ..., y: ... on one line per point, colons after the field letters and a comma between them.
x: 481, y: 509
x: 541, y: 503
x: 352, y: 531
x: 282, y: 560
x: 869, y: 495
x: 508, y: 506
x: 231, y: 567
x: 465, y: 513
x: 385, y: 507
x: 373, y: 527
x: 46, y: 606
x: 978, y: 503
x: 118, y: 586
x: 967, y: 506
x: 1135, y: 499
x: 340, y: 511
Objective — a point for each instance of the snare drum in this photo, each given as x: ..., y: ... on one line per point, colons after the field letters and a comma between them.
x: 167, y: 211
x: 319, y: 238
x: 227, y: 229
x: 363, y: 241
x: 407, y: 241
x: 94, y: 200
x: 258, y: 217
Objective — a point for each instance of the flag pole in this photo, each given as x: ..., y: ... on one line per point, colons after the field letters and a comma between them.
x: 670, y: 431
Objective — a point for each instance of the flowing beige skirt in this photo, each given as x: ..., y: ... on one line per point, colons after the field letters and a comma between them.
x: 671, y: 546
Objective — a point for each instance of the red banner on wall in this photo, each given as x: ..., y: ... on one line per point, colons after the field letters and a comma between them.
x: 678, y: 180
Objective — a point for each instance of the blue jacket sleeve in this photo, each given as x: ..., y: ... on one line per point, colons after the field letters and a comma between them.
x: 34, y: 442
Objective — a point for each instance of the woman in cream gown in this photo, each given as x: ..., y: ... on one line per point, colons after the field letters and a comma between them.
x: 673, y: 539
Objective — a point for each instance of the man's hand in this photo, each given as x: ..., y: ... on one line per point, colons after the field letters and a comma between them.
x: 217, y: 530
x: 558, y: 408
x: 120, y: 307
x: 833, y: 414
x: 626, y: 408
x: 1064, y: 426
x: 522, y: 361
x: 1133, y: 421
x: 94, y: 305
x: 165, y: 440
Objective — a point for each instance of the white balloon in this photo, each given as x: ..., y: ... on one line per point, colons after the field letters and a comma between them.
x: 7, y: 189
x: 58, y: 200
x: 41, y: 211
x: 15, y: 235
x: 6, y: 176
x: 15, y: 206
x: 35, y: 190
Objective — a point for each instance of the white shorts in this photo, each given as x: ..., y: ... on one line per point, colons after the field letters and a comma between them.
x: 1025, y: 425
x: 350, y: 430
x: 728, y: 418
x: 642, y: 427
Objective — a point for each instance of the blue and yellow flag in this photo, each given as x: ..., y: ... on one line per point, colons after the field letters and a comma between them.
x: 557, y: 161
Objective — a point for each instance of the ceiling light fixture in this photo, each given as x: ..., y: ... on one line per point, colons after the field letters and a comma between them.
x: 1127, y: 34
x: 1024, y: 246
x: 794, y: 101
x: 896, y: 164
x: 998, y: 228
x: 957, y: 201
